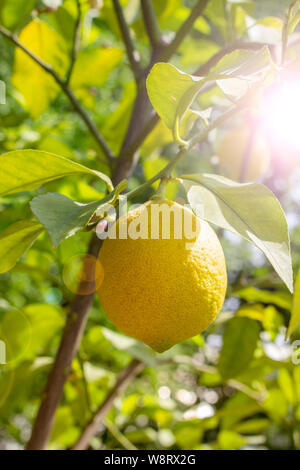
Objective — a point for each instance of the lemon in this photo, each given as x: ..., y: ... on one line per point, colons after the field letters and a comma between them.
x: 232, y: 150
x: 164, y: 274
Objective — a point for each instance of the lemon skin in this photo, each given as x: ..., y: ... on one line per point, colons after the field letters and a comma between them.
x: 162, y: 291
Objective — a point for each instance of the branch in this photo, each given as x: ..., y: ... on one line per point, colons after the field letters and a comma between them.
x: 131, y: 52
x: 68, y: 348
x: 76, y: 42
x: 151, y: 24
x: 65, y: 88
x: 184, y: 30
x: 124, y: 379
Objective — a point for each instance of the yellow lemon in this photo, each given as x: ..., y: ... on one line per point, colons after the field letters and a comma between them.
x: 164, y: 274
x: 233, y: 149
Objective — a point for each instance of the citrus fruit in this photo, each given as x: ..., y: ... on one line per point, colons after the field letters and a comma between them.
x: 164, y: 274
x: 232, y: 150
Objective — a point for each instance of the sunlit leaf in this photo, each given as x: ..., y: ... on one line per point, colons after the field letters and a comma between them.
x: 250, y: 210
x: 14, y: 12
x: 37, y: 87
x: 15, y: 240
x: 295, y: 314
x: 286, y: 384
x: 94, y: 65
x: 24, y: 170
x: 229, y: 440
x: 279, y: 298
x: 239, y: 343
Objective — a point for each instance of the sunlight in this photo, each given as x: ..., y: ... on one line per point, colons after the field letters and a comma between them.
x: 280, y: 114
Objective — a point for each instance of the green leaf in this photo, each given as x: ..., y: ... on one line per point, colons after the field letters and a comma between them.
x: 281, y: 299
x: 244, y: 66
x: 242, y: 63
x: 171, y: 91
x: 286, y: 384
x: 239, y: 343
x: 250, y: 210
x: 14, y: 12
x: 36, y: 86
x: 24, y: 170
x: 61, y: 216
x: 295, y: 314
x: 131, y: 346
x: 15, y: 240
x: 93, y: 66
x: 229, y: 440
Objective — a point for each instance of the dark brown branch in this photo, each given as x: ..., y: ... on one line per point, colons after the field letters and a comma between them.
x: 76, y: 42
x: 130, y: 49
x: 184, y: 30
x: 67, y: 91
x: 124, y: 379
x: 62, y: 365
x: 151, y: 24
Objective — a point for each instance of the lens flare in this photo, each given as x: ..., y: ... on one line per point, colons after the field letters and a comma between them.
x: 280, y: 114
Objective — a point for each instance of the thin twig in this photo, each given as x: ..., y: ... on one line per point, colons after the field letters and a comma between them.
x: 184, y: 30
x: 112, y: 428
x: 67, y: 91
x: 124, y: 379
x: 76, y: 42
x: 151, y: 23
x: 130, y: 49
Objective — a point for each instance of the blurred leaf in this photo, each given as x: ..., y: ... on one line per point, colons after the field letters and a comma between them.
x: 286, y: 384
x: 94, y: 65
x: 131, y: 346
x: 276, y: 404
x: 229, y: 440
x: 14, y: 12
x: 36, y: 85
x: 295, y: 314
x: 279, y: 298
x: 239, y: 343
x: 250, y: 210
x: 25, y: 170
x: 15, y: 240
x: 252, y: 426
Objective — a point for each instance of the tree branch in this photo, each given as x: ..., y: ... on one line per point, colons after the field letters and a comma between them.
x: 130, y: 49
x: 124, y: 379
x: 67, y: 91
x: 76, y: 42
x: 68, y: 348
x: 184, y: 30
x: 151, y: 24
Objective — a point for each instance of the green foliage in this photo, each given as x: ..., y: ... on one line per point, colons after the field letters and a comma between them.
x: 15, y: 240
x: 249, y: 210
x: 240, y: 339
x: 235, y: 385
